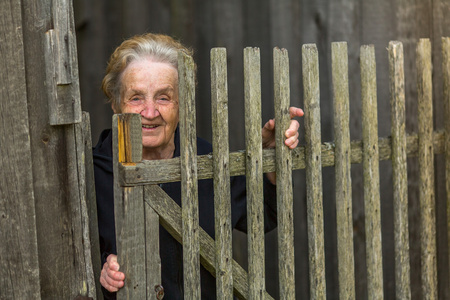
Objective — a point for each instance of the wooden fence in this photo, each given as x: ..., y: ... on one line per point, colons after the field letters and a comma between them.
x: 140, y: 204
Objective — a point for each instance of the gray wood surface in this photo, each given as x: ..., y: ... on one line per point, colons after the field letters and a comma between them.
x: 371, y: 173
x: 344, y: 220
x: 129, y: 211
x: 446, y: 94
x: 60, y: 55
x: 62, y: 261
x: 310, y: 59
x: 189, y: 185
x: 426, y: 166
x: 91, y: 203
x: 222, y: 193
x: 254, y: 173
x: 399, y: 171
x: 150, y: 172
x: 285, y: 203
x: 19, y: 263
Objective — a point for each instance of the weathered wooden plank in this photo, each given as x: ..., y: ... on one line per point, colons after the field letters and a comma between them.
x: 446, y: 97
x: 170, y: 218
x: 222, y: 194
x: 254, y: 173
x: 91, y: 204
x: 60, y: 56
x: 344, y: 220
x: 153, y: 258
x: 129, y: 208
x: 189, y: 185
x: 371, y: 173
x: 150, y: 172
x: 78, y: 211
x: 19, y: 263
x: 426, y: 167
x: 285, y: 200
x: 399, y: 171
x: 310, y: 60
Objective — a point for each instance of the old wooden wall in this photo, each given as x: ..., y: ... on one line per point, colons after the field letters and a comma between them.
x: 45, y: 241
x: 234, y: 24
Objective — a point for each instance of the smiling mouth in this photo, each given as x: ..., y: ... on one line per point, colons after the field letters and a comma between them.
x: 149, y: 126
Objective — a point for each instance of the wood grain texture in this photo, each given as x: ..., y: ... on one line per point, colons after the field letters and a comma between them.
x: 129, y: 211
x: 371, y: 174
x: 19, y: 264
x: 222, y: 194
x: 62, y: 260
x: 60, y: 54
x: 314, y: 171
x: 91, y: 203
x: 254, y: 173
x: 446, y: 94
x: 426, y: 166
x: 285, y: 203
x: 399, y: 171
x: 189, y: 185
x: 344, y: 220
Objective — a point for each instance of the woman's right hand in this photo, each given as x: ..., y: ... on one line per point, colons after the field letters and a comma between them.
x: 110, y: 278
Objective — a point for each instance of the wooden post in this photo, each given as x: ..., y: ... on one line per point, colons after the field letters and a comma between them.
x: 446, y: 94
x: 254, y: 173
x: 189, y: 185
x: 129, y: 208
x: 399, y: 171
x: 222, y: 193
x: 91, y: 204
x: 19, y: 260
x: 344, y: 220
x: 64, y: 105
x: 426, y: 167
x: 371, y: 173
x: 285, y: 199
x: 310, y: 60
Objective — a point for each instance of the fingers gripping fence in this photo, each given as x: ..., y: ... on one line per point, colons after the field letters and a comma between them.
x: 140, y: 204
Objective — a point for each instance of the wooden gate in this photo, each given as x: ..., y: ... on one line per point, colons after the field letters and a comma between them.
x: 140, y: 204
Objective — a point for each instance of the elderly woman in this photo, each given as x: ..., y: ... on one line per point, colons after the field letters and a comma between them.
x: 142, y: 78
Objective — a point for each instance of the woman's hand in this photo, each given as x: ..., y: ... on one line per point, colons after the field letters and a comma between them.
x: 268, y: 131
x: 110, y: 278
x: 291, y: 134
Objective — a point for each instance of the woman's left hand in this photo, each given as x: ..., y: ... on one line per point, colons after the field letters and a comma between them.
x: 268, y: 135
x: 268, y: 131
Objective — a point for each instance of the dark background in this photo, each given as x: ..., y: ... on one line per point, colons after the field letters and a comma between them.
x: 101, y: 25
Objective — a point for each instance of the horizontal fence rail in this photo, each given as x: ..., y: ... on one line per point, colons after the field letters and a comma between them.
x: 131, y: 174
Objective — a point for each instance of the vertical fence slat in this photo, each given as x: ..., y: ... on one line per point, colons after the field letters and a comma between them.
x: 310, y: 61
x: 222, y: 194
x: 371, y: 173
x: 426, y: 167
x: 254, y: 174
x: 128, y: 208
x: 446, y: 94
x: 153, y: 258
x: 189, y: 185
x: 344, y: 218
x: 399, y: 171
x: 285, y: 200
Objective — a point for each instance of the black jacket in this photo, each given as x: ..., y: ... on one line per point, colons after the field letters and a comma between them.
x: 170, y: 249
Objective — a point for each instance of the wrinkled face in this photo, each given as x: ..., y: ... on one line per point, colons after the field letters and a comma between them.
x: 150, y: 89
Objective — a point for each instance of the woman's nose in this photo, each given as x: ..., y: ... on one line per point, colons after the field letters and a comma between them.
x: 150, y: 110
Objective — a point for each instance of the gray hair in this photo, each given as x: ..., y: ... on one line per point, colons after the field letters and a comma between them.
x: 159, y: 47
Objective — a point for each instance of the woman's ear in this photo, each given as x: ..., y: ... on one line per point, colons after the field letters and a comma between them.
x: 114, y: 108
